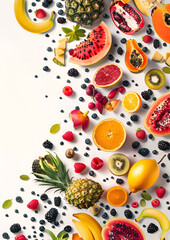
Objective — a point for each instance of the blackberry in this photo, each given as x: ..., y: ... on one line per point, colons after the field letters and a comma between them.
x: 120, y: 51
x: 156, y: 43
x: 145, y: 95
x: 61, y: 20
x: 134, y: 118
x: 126, y: 83
x: 47, y: 3
x: 145, y: 49
x: 119, y: 181
x: 110, y: 57
x: 57, y: 201
x: 144, y: 152
x: 150, y: 91
x: 5, y: 235
x: 123, y: 40
x: 68, y: 228
x: 113, y: 212
x: 15, y: 228
x: 44, y: 197
x: 135, y: 144
x: 128, y: 214
x: 19, y: 199
x: 47, y: 144
x: 152, y: 228
x: 51, y: 215
x: 73, y: 72
x: 163, y: 145
x: 87, y: 141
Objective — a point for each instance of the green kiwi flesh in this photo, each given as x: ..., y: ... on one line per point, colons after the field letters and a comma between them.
x: 155, y: 79
x: 118, y: 164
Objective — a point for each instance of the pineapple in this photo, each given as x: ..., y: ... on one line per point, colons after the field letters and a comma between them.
x: 81, y: 193
x: 84, y: 12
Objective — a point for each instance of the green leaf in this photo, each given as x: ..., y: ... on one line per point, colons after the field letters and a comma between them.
x: 71, y: 39
x: 55, y: 128
x: 24, y: 177
x: 166, y: 70
x: 66, y: 30
x: 142, y: 203
x: 7, y: 204
x: 77, y: 27
x: 69, y: 34
x: 76, y: 37
x: 51, y: 234
x: 63, y: 235
x: 146, y: 196
x: 80, y: 33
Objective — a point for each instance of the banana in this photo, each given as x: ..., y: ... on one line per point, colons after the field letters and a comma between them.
x: 83, y: 230
x: 90, y: 223
x: 159, y: 216
x: 26, y: 23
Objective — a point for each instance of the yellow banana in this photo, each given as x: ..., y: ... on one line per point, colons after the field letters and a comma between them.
x: 26, y: 23
x: 159, y: 216
x: 90, y: 223
x: 83, y: 230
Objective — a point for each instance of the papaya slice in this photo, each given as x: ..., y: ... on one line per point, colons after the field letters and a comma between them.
x: 161, y: 21
x: 135, y: 59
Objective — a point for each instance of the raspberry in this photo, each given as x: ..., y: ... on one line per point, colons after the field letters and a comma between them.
x: 135, y: 204
x: 68, y: 91
x: 147, y: 39
x: 79, y: 167
x: 104, y: 100
x: 121, y: 89
x: 91, y: 105
x: 68, y: 136
x: 40, y: 13
x: 20, y: 237
x: 33, y: 204
x: 99, y: 97
x: 71, y: 51
x: 97, y: 163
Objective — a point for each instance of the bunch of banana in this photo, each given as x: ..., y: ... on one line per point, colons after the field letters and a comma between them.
x: 26, y: 23
x: 159, y: 216
x: 88, y: 227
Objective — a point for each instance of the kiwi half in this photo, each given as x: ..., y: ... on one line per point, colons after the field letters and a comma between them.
x: 155, y: 79
x: 118, y: 164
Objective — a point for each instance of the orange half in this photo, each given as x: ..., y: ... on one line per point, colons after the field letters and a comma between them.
x: 109, y: 135
x: 131, y: 102
x: 117, y: 196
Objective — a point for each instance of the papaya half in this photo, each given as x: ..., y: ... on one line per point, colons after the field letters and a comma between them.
x: 161, y: 21
x: 135, y: 59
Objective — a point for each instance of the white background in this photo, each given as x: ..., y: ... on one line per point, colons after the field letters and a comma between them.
x: 26, y: 115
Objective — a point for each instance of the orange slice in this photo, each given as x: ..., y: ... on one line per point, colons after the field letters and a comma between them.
x: 117, y: 196
x: 131, y: 102
x: 109, y: 135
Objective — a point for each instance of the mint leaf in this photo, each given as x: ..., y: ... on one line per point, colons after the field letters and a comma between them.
x: 74, y: 34
x: 146, y: 196
x: 76, y: 37
x: 69, y: 34
x: 66, y: 30
x: 76, y: 27
x: 142, y: 203
x: 7, y: 204
x: 71, y: 39
x: 80, y: 32
x: 55, y: 128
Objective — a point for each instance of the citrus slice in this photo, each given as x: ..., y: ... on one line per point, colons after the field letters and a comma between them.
x: 109, y: 135
x: 131, y: 102
x: 108, y: 75
x: 117, y: 196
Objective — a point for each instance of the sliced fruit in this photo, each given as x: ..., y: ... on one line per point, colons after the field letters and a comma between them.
x: 109, y: 135
x: 167, y: 55
x: 94, y: 48
x: 161, y: 22
x: 158, y: 117
x: 168, y: 61
x: 155, y: 79
x: 135, y: 59
x: 59, y: 52
x: 117, y: 196
x: 117, y: 229
x: 83, y: 230
x: 108, y: 75
x: 131, y: 102
x: 75, y: 236
x: 118, y: 164
x: 141, y: 6
x: 95, y: 210
x: 157, y: 56
x: 126, y: 18
x: 80, y: 119
x: 111, y: 105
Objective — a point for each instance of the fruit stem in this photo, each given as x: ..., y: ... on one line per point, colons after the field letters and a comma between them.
x: 162, y: 159
x: 85, y: 114
x: 130, y: 193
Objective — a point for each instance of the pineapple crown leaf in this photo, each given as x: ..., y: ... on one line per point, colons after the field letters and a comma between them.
x: 63, y: 235
x: 51, y: 234
x: 47, y: 170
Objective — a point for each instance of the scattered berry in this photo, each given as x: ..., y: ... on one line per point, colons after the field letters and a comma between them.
x: 44, y: 197
x: 144, y: 49
x: 144, y: 152
x: 156, y: 43
x: 19, y: 199
x: 135, y: 204
x: 79, y: 167
x: 97, y: 163
x: 91, y: 173
x: 68, y: 136
x: 163, y: 145
x: 94, y: 116
x: 155, y: 203
x: 113, y: 212
x: 99, y: 97
x: 51, y: 215
x: 5, y: 235
x: 33, y: 204
x: 120, y: 51
x: 47, y: 3
x: 150, y: 136
x: 40, y: 13
x: 15, y: 228
x: 135, y: 144
x: 145, y: 106
x: 160, y: 191
x: 152, y: 228
x: 110, y: 57
x: 67, y: 91
x: 126, y: 83
x: 119, y: 181
x: 141, y: 134
x: 59, y: 5
x: 134, y: 118
x: 20, y: 237
x: 73, y: 72
x: 57, y: 201
x: 121, y: 89
x: 88, y: 141
x: 149, y: 31
x: 123, y: 40
x: 147, y: 39
x: 47, y: 144
x: 128, y: 214
x: 61, y: 20
x: 68, y: 228
x: 145, y: 95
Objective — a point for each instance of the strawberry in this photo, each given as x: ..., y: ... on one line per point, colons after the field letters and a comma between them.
x: 40, y: 13
x: 147, y: 38
x: 141, y: 134
x: 121, y: 89
x: 155, y: 203
x: 135, y: 204
x: 33, y: 204
x: 160, y: 192
x: 97, y: 163
x: 20, y: 237
x: 79, y: 167
x: 68, y: 136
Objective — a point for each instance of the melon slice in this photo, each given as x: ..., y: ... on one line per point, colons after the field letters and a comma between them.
x: 59, y: 52
x: 94, y: 48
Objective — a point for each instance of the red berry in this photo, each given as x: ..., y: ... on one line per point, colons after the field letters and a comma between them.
x: 20, y: 237
x: 91, y: 105
x: 155, y: 203
x: 89, y: 92
x: 79, y: 167
x: 91, y: 87
x: 98, y: 97
x: 160, y: 192
x: 141, y: 134
x: 71, y: 51
x: 40, y: 13
x: 135, y: 204
x: 104, y: 100
x: 68, y: 136
x: 112, y: 94
x: 97, y: 163
x: 99, y: 107
x: 147, y: 38
x: 33, y: 204
x: 121, y: 89
x: 67, y: 90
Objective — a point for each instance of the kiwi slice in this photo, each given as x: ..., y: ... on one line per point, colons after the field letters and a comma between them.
x: 155, y: 79
x: 118, y: 164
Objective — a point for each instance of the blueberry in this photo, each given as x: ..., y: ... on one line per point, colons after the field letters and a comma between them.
x: 134, y: 118
x: 83, y: 86
x: 68, y: 228
x: 168, y: 156
x: 117, y: 61
x: 81, y: 99
x: 19, y: 199
x: 165, y: 44
x: 110, y: 57
x: 105, y: 215
x: 32, y: 219
x: 33, y: 4
x: 94, y: 115
x: 101, y: 204
x: 165, y: 175
x: 59, y: 5
x: 86, y: 70
x: 42, y: 229
x: 150, y: 136
x: 144, y: 152
x: 49, y: 49
x: 144, y: 49
x: 149, y: 26
x: 122, y: 115
x: 77, y: 108
x: 29, y: 10
x: 113, y: 212
x: 91, y: 173
x: 61, y: 143
x: 86, y: 154
x: 75, y: 148
x: 154, y: 98
x: 145, y: 106
x: 45, y: 59
x: 126, y: 83
x: 150, y: 91
x: 115, y: 44
x: 107, y: 207
x: 87, y: 80
x: 123, y: 40
x: 120, y: 51
x: 46, y: 69
x: 135, y: 144
x: 140, y: 45
x: 128, y: 123
x: 163, y: 165
x: 16, y: 211
x: 56, y: 223
x: 149, y: 31
x: 155, y: 152
x: 88, y: 141
x: 5, y: 235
